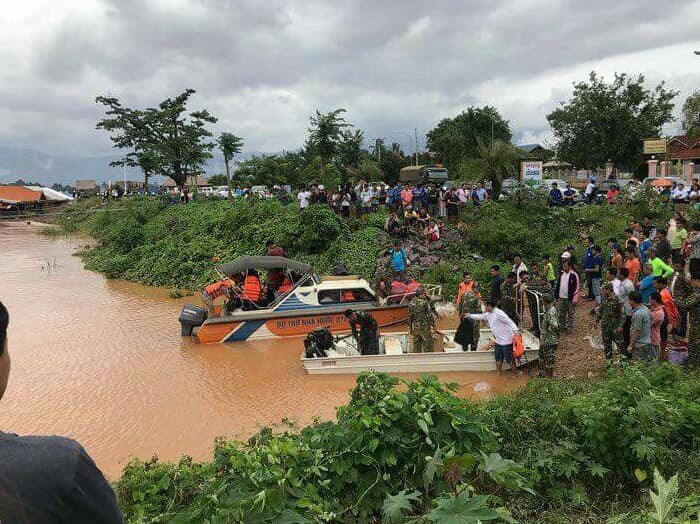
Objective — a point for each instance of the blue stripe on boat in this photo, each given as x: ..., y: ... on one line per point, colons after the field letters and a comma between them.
x: 245, y: 330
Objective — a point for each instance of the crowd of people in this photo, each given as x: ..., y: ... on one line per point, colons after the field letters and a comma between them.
x: 643, y: 294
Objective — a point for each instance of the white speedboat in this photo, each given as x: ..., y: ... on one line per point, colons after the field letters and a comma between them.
x: 395, y: 356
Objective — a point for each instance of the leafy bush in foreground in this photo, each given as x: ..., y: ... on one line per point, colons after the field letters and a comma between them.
x: 541, y: 454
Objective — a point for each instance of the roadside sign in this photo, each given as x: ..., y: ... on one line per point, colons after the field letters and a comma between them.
x: 530, y: 170
x: 655, y: 146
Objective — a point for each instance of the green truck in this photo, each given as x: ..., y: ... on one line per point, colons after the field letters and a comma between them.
x: 424, y: 175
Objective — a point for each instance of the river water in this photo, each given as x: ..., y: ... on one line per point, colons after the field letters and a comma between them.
x: 102, y: 361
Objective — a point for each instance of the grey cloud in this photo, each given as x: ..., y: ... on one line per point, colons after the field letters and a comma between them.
x: 393, y: 65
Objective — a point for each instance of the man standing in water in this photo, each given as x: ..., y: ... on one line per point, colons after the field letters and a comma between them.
x: 48, y: 479
x: 421, y: 322
x: 503, y: 329
x: 364, y: 331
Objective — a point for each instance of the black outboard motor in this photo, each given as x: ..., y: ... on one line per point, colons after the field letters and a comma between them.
x: 318, y: 342
x: 191, y: 317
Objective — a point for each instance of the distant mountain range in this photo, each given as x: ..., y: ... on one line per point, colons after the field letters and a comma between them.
x: 34, y: 166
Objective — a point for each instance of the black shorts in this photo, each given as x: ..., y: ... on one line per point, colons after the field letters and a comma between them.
x: 695, y: 268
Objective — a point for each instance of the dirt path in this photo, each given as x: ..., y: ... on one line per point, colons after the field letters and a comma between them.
x: 575, y: 356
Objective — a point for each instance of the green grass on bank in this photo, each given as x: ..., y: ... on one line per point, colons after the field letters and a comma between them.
x: 155, y: 243
x: 150, y: 241
x: 553, y: 452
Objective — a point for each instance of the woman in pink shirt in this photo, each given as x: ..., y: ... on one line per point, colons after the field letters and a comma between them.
x: 656, y: 308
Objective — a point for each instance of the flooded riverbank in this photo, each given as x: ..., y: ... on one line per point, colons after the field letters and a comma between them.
x: 102, y: 361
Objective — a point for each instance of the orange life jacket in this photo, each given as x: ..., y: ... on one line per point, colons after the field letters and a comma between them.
x: 348, y: 296
x: 463, y: 288
x: 218, y: 289
x: 251, y: 288
x: 285, y: 287
x: 518, y: 346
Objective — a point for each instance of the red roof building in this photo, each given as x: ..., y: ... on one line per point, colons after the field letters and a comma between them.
x: 685, y: 151
x: 18, y: 195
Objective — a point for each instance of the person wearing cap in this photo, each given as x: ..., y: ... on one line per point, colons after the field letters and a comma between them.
x: 364, y: 330
x: 48, y: 478
x: 421, y: 322
x: 609, y: 316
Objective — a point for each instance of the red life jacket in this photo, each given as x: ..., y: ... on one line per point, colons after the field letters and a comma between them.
x: 348, y: 296
x: 251, y: 288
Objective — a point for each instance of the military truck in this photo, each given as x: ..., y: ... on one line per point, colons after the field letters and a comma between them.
x: 424, y: 175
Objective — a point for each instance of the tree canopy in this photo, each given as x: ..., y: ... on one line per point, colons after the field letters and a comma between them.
x: 166, y: 140
x: 691, y: 115
x: 456, y: 139
x: 608, y: 121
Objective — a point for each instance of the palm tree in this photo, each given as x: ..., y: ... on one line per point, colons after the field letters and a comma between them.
x: 229, y: 144
x: 496, y: 161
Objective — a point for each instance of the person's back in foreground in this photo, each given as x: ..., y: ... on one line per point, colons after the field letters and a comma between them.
x: 48, y: 479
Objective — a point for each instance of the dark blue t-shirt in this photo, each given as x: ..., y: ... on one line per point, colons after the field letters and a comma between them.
x: 52, y: 480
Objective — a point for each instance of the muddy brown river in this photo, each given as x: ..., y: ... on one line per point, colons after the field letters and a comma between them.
x: 102, y: 361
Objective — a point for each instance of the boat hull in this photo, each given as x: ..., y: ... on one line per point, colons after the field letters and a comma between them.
x: 410, y: 362
x: 396, y: 356
x: 261, y: 325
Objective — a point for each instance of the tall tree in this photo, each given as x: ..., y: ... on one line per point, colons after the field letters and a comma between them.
x: 229, y: 144
x: 177, y: 139
x: 456, y: 139
x: 691, y: 115
x: 326, y: 134
x: 495, y: 161
x: 390, y: 159
x: 610, y: 120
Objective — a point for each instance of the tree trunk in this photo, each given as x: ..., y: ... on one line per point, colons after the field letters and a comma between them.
x: 228, y: 177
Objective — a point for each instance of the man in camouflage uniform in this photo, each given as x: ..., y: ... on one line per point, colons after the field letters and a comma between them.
x: 467, y: 334
x: 610, y: 317
x: 687, y: 297
x: 364, y: 331
x: 421, y: 322
x: 536, y: 283
x: 509, y: 296
x: 549, y: 335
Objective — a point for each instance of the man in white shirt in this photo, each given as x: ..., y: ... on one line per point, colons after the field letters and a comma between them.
x: 611, y: 277
x: 518, y: 267
x: 503, y: 330
x: 626, y: 287
x: 679, y: 194
x: 590, y: 190
x: 304, y: 198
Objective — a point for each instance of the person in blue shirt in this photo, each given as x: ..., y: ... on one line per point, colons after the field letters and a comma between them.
x: 646, y: 285
x: 594, y: 272
x: 555, y: 196
x: 399, y: 260
x: 588, y: 265
x: 645, y: 245
x: 569, y: 195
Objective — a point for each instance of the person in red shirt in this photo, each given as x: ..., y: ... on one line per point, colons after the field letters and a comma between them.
x: 467, y: 284
x: 632, y: 263
x: 673, y: 317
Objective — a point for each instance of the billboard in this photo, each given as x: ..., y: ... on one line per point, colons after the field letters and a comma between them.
x: 530, y: 170
x: 655, y: 146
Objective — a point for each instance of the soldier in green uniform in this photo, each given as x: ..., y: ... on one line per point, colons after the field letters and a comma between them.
x: 509, y: 296
x: 687, y: 297
x: 536, y: 283
x: 421, y: 322
x: 364, y: 330
x: 549, y: 335
x: 467, y: 334
x: 610, y: 317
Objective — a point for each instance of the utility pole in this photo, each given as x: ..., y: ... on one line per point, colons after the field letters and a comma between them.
x: 379, y: 151
x: 410, y: 144
x: 415, y: 131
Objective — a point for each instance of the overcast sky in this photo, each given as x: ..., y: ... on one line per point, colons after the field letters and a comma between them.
x: 263, y: 67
